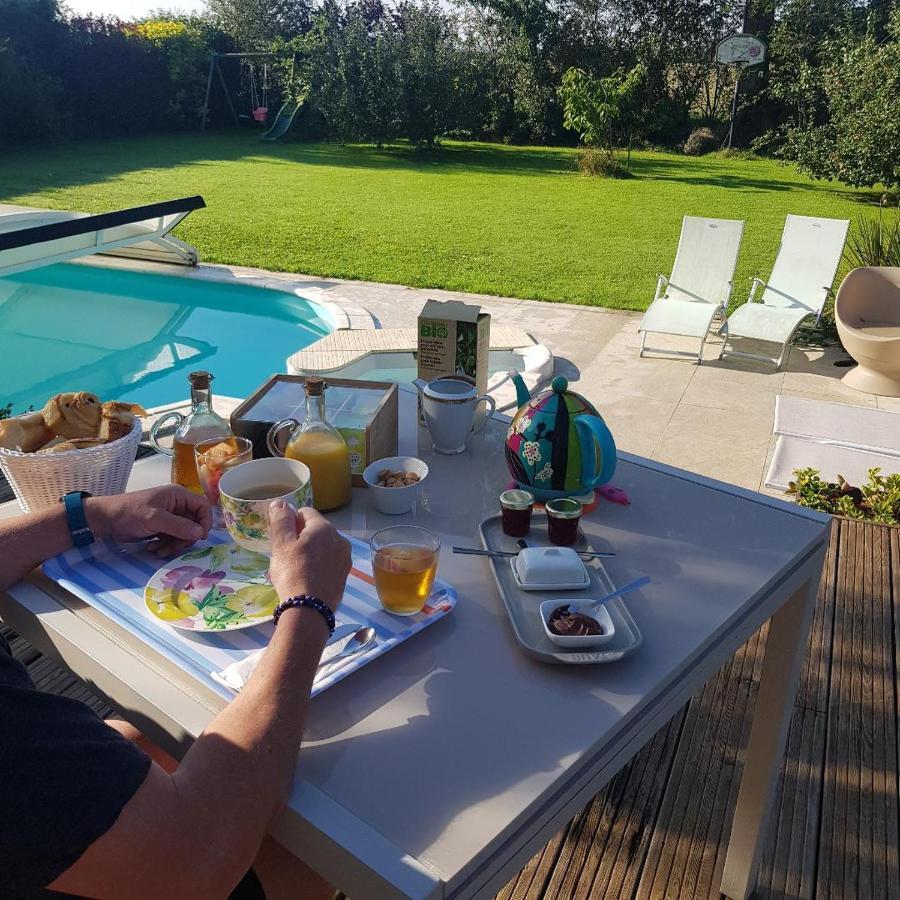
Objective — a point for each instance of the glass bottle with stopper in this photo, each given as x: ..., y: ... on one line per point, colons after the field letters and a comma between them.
x: 319, y: 446
x: 201, y: 424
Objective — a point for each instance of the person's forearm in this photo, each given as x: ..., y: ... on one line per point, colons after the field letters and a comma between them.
x: 253, y: 742
x: 29, y: 540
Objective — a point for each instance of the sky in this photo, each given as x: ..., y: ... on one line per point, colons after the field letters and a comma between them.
x: 130, y: 9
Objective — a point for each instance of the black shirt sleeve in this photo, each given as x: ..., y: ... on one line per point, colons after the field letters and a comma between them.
x: 64, y: 777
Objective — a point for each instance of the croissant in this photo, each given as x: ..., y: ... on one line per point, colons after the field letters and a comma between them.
x: 75, y: 414
x: 25, y: 433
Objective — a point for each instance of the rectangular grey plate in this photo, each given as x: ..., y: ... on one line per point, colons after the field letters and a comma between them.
x: 524, y: 607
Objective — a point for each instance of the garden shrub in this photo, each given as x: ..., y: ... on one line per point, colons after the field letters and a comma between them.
x: 32, y: 106
x: 877, y: 501
x: 737, y: 153
x: 875, y: 240
x: 701, y: 141
x: 183, y: 45
x: 597, y: 162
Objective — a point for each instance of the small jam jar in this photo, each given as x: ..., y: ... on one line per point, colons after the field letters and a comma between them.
x: 515, y: 510
x: 563, y: 519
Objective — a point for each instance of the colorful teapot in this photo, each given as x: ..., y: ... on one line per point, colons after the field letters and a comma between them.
x: 557, y: 444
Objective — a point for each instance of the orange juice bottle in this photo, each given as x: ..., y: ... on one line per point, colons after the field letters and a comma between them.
x: 321, y: 447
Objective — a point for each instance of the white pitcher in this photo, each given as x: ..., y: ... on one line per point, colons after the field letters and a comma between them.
x: 449, y: 404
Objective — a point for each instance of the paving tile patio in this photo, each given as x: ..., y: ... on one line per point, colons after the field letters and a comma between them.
x: 715, y: 419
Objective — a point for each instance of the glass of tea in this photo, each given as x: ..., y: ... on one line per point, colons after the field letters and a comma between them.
x: 404, y: 563
x: 215, y: 457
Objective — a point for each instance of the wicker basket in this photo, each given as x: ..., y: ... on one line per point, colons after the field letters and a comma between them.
x: 40, y: 479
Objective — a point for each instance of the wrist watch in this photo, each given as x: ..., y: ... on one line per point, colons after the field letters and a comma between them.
x: 75, y: 516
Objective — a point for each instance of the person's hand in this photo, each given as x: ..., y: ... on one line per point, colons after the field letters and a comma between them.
x: 171, y: 517
x: 308, y: 555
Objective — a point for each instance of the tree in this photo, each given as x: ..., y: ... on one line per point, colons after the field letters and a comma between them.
x: 604, y: 111
x: 352, y: 68
x: 429, y: 65
x: 254, y: 24
x: 855, y: 137
x: 522, y: 39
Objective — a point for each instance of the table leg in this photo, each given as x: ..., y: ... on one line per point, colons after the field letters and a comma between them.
x: 785, y: 651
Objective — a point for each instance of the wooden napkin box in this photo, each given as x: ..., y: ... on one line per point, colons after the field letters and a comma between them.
x: 365, y: 412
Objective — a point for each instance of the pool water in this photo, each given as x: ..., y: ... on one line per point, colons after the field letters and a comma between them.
x: 400, y: 365
x: 130, y: 335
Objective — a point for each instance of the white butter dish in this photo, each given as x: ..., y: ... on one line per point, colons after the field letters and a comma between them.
x: 549, y: 569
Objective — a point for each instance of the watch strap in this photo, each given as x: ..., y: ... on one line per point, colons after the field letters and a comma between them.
x: 76, y: 518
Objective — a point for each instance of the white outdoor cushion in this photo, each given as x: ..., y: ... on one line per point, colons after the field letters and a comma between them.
x: 684, y: 317
x: 765, y: 323
x: 792, y: 453
x: 876, y: 430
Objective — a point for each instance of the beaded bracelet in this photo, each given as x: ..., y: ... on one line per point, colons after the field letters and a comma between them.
x: 309, y: 602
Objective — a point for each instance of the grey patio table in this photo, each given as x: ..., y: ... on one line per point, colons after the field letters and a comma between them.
x: 440, y: 768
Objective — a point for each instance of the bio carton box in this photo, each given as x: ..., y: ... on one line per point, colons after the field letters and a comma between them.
x: 454, y: 339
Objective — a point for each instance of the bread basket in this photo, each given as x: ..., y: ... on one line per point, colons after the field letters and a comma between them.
x: 40, y: 479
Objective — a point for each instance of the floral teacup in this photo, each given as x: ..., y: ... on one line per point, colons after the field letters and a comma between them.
x: 245, y: 499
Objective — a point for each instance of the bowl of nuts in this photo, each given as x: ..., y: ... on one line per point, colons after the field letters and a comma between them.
x: 395, y: 483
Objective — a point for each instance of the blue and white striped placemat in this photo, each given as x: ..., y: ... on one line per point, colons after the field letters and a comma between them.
x: 112, y: 579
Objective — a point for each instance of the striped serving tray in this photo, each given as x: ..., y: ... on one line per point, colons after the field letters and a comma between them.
x: 112, y: 579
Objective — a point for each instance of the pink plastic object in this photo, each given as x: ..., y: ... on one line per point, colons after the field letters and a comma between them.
x: 614, y: 495
x: 261, y: 113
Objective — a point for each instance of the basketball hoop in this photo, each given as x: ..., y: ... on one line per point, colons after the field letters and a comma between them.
x: 741, y: 50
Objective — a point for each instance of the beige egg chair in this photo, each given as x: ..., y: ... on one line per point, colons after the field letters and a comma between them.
x: 867, y: 312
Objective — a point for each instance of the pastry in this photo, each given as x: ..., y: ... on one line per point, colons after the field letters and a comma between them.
x: 75, y: 414
x: 59, y: 446
x: 25, y: 433
x: 117, y: 419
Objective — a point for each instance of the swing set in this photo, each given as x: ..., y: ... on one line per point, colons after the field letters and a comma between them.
x: 258, y: 84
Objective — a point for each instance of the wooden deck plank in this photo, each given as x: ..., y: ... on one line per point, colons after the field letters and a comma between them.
x: 532, y: 880
x: 578, y: 840
x: 813, y: 689
x: 714, y: 837
x: 682, y: 800
x: 884, y: 785
x: 658, y: 853
x: 889, y: 639
x: 790, y: 871
x: 794, y: 848
x: 855, y: 736
x: 614, y: 867
x: 834, y: 814
x: 870, y: 872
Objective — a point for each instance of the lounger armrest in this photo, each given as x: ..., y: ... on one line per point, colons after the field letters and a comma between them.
x: 828, y: 293
x: 727, y: 299
x: 661, y: 283
x: 755, y: 282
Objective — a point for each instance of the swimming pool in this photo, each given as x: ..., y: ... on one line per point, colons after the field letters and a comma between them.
x: 136, y: 335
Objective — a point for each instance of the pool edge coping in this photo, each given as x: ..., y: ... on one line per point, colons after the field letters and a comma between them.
x: 342, y: 313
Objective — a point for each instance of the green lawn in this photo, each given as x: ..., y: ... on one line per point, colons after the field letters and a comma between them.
x: 475, y: 217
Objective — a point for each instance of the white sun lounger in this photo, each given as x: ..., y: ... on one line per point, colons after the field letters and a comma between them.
x: 700, y: 284
x: 798, y: 287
